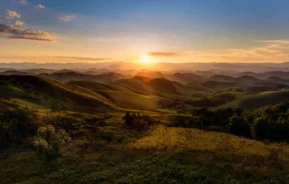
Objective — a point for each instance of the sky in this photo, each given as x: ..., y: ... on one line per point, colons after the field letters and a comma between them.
x: 47, y: 31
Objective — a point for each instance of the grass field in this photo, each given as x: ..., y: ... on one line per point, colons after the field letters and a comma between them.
x: 161, y: 155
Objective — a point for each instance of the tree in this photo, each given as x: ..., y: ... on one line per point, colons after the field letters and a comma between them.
x: 128, y: 119
x: 239, y: 127
x: 262, y: 128
x: 17, y: 124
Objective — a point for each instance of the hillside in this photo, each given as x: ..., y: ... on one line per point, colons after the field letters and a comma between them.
x: 217, y: 85
x: 218, y: 99
x: 136, y: 84
x: 126, y: 93
x: 252, y: 101
x: 49, y: 94
x: 221, y: 78
x: 150, y: 74
x: 66, y: 76
x: 106, y: 149
x: 184, y: 78
x: 160, y: 156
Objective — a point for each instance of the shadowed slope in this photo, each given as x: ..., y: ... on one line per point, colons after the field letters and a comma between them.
x: 49, y: 94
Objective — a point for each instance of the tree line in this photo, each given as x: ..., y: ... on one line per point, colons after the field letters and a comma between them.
x: 266, y: 123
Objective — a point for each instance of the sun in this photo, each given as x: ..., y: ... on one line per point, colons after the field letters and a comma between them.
x: 145, y: 59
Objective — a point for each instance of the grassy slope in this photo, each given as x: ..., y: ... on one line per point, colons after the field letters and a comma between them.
x: 163, y: 155
x: 49, y: 94
x: 131, y: 93
x: 139, y: 92
x: 260, y: 99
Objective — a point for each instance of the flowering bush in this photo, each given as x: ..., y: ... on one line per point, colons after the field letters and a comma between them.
x: 50, y: 143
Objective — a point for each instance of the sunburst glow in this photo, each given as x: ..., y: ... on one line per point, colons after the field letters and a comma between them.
x: 145, y: 59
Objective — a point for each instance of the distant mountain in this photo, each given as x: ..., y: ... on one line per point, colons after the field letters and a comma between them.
x: 14, y: 72
x: 196, y: 86
x: 266, y: 86
x: 165, y: 86
x: 184, y: 78
x: 277, y: 80
x: 75, y: 76
x: 150, y: 74
x: 217, y: 85
x: 205, y: 73
x: 6, y: 69
x: 221, y: 78
x: 247, y: 73
x: 280, y: 74
x: 247, y: 79
x: 38, y: 71
x: 108, y: 77
x: 94, y: 71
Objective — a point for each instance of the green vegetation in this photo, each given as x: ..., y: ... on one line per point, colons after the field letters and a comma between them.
x: 139, y: 130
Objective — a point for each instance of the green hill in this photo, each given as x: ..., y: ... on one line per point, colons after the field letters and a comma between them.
x: 257, y: 100
x: 217, y: 99
x: 126, y: 93
x: 136, y: 84
x: 49, y: 94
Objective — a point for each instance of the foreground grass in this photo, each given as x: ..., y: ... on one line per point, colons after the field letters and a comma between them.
x: 162, y: 155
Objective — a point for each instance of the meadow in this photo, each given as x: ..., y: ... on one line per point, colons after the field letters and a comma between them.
x: 163, y: 141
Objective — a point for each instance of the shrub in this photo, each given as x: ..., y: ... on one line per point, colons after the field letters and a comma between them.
x: 17, y: 124
x: 137, y: 121
x: 50, y: 143
x: 239, y: 127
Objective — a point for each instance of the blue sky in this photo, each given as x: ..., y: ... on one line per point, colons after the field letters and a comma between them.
x: 164, y: 30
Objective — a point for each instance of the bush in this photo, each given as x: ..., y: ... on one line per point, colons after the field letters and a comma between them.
x: 238, y: 126
x: 138, y: 122
x: 51, y: 144
x: 17, y: 124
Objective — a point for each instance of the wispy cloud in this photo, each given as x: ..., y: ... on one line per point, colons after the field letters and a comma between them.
x: 274, y: 41
x: 39, y: 6
x: 270, y: 51
x: 20, y: 32
x: 165, y: 54
x: 12, y: 15
x: 67, y: 18
x: 80, y: 58
x: 19, y: 23
x: 23, y: 2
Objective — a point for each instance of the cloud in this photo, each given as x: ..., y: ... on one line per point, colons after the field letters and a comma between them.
x: 40, y: 6
x: 12, y: 15
x: 274, y: 41
x: 67, y: 18
x: 23, y: 2
x: 80, y: 58
x: 267, y: 51
x: 165, y: 54
x: 19, y: 23
x: 19, y: 32
x: 270, y: 51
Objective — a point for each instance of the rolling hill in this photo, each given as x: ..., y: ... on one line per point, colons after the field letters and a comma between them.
x: 150, y: 74
x: 252, y: 101
x: 66, y: 76
x: 184, y: 78
x: 49, y: 94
